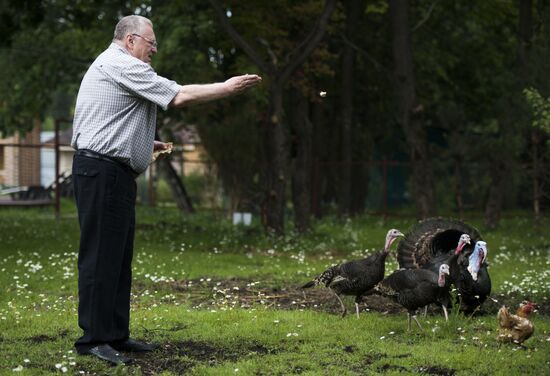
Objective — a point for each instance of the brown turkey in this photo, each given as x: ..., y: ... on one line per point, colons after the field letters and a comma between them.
x: 434, y: 241
x: 358, y: 276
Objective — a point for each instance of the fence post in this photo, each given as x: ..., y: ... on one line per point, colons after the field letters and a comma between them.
x: 385, y: 186
x: 56, y: 148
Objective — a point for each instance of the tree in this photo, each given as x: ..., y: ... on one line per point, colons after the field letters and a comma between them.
x: 409, y: 110
x: 275, y: 139
x: 355, y: 10
x: 46, y: 48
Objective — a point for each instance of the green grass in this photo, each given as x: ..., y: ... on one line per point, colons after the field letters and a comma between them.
x: 207, y: 330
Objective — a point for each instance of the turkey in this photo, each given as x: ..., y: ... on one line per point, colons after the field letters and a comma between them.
x: 451, y: 259
x: 473, y: 282
x: 415, y: 288
x: 358, y: 276
x: 432, y: 242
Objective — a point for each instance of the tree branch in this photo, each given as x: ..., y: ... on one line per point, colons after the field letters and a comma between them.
x: 376, y: 64
x: 426, y: 17
x: 270, y: 52
x: 267, y: 68
x: 311, y: 41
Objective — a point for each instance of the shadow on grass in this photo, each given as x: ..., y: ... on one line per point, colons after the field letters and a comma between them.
x: 180, y: 357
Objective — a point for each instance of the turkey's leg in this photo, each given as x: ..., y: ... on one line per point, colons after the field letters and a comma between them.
x: 357, y: 301
x: 417, y: 323
x: 344, y: 310
x: 445, y: 312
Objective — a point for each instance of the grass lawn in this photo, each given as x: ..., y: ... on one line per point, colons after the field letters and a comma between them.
x: 224, y: 300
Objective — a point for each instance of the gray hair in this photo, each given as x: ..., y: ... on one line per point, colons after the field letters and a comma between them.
x: 130, y: 25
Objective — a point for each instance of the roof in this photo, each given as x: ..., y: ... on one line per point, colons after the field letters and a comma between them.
x: 64, y: 137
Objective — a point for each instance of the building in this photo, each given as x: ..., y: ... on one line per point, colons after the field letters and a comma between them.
x: 191, y: 157
x: 20, y: 159
x: 34, y: 164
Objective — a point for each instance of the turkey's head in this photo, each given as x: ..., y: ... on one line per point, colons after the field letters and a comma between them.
x: 390, y: 238
x: 443, y: 270
x: 464, y: 239
x: 477, y: 258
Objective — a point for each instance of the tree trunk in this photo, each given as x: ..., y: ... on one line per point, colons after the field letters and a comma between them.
x: 275, y: 175
x: 354, y: 14
x: 524, y: 41
x: 493, y: 208
x: 318, y: 125
x: 275, y: 139
x: 302, y: 164
x: 176, y: 186
x: 409, y: 110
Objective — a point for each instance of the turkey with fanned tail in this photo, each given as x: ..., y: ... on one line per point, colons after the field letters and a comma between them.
x: 434, y: 241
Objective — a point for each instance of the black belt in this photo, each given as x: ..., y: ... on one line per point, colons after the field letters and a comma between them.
x: 101, y: 157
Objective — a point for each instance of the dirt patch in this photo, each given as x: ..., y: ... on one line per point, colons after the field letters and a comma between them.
x: 239, y: 293
x: 246, y: 294
x: 181, y: 357
x: 436, y: 370
x: 391, y: 367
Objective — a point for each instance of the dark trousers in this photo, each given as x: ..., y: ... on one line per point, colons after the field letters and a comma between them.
x: 105, y: 197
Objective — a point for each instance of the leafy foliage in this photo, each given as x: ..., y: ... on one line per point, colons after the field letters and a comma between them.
x: 540, y: 107
x: 465, y: 56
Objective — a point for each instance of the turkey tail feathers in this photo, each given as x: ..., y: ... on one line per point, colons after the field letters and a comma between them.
x: 432, y: 237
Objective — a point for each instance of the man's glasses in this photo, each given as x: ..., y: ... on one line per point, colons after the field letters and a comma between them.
x: 153, y: 43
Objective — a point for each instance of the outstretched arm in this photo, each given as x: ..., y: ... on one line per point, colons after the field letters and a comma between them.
x: 194, y: 94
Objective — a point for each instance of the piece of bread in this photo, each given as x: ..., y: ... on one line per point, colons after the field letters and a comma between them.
x: 168, y: 150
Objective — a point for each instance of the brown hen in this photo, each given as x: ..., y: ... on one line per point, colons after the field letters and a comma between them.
x: 515, y: 328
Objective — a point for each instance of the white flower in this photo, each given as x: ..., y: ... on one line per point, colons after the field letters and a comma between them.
x: 382, y: 337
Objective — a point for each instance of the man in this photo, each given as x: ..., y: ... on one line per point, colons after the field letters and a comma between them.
x: 113, y: 135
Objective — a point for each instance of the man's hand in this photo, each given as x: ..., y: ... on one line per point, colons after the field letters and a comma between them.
x: 159, y: 145
x: 239, y: 83
x: 161, y: 148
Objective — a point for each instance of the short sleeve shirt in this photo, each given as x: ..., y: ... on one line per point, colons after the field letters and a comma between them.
x: 116, y: 107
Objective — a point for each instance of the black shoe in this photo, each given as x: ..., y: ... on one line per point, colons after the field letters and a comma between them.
x: 134, y: 346
x: 107, y: 353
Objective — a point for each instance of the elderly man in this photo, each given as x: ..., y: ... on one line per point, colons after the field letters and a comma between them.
x: 114, y: 128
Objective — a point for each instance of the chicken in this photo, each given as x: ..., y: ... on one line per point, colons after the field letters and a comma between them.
x: 357, y: 276
x: 515, y: 328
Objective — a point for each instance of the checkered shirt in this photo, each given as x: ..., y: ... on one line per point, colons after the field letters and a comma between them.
x: 116, y: 107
